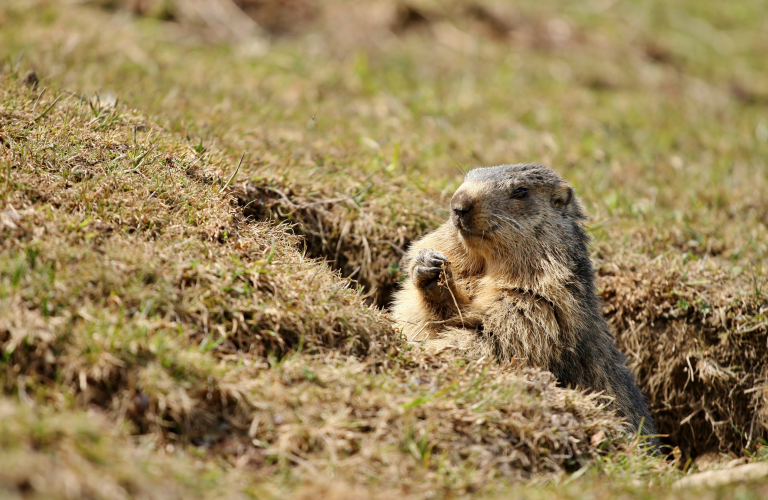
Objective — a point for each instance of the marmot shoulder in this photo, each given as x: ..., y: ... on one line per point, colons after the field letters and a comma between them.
x: 509, y: 275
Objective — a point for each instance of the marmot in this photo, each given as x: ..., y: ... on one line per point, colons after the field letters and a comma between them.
x: 509, y: 275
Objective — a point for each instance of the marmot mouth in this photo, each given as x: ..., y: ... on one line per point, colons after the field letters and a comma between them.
x: 463, y: 227
x: 474, y: 238
x: 468, y: 233
x: 473, y: 230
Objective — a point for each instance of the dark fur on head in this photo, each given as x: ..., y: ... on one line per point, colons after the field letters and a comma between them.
x: 509, y: 275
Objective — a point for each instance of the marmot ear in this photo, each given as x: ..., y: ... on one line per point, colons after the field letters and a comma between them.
x: 562, y: 195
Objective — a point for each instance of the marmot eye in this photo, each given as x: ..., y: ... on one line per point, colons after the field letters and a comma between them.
x: 519, y: 193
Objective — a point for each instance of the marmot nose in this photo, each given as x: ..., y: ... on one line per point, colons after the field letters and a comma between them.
x: 461, y: 211
x: 462, y: 204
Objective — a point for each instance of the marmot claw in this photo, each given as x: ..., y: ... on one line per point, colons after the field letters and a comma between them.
x: 427, y: 269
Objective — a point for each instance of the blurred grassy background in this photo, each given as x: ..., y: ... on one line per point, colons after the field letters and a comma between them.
x: 655, y: 111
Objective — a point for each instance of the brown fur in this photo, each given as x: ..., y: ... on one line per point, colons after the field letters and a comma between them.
x: 509, y: 276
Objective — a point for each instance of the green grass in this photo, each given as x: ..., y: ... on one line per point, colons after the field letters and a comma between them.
x: 130, y: 283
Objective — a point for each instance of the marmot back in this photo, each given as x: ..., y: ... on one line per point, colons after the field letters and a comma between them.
x: 509, y: 275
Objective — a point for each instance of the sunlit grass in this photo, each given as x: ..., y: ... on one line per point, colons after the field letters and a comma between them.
x: 133, y: 269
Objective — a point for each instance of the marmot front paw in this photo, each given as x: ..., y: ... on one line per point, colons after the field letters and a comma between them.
x: 427, y: 269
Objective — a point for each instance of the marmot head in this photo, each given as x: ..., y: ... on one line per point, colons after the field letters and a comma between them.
x: 516, y: 211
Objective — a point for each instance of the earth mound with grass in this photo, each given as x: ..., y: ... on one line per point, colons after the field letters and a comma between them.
x: 695, y: 336
x: 204, y: 208
x: 133, y: 285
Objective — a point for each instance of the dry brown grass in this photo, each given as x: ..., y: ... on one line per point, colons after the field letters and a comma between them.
x: 719, y: 322
x: 362, y: 234
x: 128, y: 290
x: 75, y: 454
x: 130, y: 282
x: 697, y: 337
x: 103, y: 233
x: 694, y: 334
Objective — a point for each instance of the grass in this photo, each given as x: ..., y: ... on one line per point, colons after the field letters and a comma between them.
x: 76, y: 454
x: 132, y: 284
x: 141, y: 305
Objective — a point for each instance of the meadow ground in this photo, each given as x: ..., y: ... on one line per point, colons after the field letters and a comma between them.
x: 183, y: 195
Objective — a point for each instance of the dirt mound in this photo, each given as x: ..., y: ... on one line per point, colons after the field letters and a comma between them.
x: 122, y: 272
x: 274, y: 16
x: 698, y: 339
x: 447, y: 23
x: 364, y: 237
x: 74, y: 454
x: 130, y: 282
x: 695, y: 335
x: 442, y: 411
